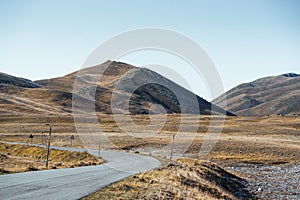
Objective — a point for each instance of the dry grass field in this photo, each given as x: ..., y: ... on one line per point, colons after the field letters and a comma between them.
x: 274, y: 139
x: 20, y: 158
x: 265, y: 142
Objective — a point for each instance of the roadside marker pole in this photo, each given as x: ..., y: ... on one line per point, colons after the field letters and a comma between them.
x: 42, y: 138
x: 71, y: 140
x: 172, y: 148
x: 48, y: 147
x: 99, y: 149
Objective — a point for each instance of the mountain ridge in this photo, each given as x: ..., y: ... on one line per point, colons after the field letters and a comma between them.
x: 272, y: 95
x: 57, y: 93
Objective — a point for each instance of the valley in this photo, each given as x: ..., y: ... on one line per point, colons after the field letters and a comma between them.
x: 251, y: 148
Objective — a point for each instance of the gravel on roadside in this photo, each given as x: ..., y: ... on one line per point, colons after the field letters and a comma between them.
x: 270, y: 181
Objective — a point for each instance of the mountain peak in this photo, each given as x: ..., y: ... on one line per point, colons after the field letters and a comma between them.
x: 145, y: 88
x: 290, y: 75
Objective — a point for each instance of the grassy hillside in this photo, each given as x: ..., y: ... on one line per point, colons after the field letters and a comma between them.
x: 183, y: 179
x: 144, y: 88
x: 274, y: 95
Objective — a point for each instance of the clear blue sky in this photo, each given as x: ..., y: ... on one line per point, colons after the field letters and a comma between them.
x: 246, y: 39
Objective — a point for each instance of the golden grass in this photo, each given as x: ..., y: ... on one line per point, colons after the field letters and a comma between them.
x: 271, y: 139
x: 183, y: 179
x: 19, y: 158
x: 266, y: 140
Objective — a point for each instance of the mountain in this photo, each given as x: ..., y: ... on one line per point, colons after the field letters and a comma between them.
x: 19, y: 95
x: 274, y: 95
x: 140, y: 90
x: 6, y: 79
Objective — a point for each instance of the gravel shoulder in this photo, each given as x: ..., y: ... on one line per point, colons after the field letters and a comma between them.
x: 280, y: 181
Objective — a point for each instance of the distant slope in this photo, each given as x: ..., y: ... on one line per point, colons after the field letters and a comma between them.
x: 274, y: 95
x: 21, y: 96
x: 54, y: 96
x: 18, y: 100
x: 6, y: 79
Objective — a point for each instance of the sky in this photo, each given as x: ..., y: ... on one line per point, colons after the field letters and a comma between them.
x: 246, y: 39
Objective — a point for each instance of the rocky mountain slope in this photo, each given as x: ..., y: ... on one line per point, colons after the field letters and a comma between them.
x: 274, y: 95
x: 145, y: 90
x: 6, y: 79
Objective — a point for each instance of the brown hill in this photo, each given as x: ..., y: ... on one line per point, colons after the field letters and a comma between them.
x: 155, y: 90
x: 55, y: 95
x: 274, y: 95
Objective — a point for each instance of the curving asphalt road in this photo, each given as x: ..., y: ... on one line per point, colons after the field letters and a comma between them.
x: 74, y: 183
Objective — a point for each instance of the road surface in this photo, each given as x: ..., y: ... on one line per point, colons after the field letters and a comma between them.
x: 74, y: 183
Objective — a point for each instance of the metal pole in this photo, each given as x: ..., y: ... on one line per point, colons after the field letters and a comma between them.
x: 71, y: 140
x: 42, y: 138
x: 48, y: 147
x: 99, y: 149
x: 172, y: 148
